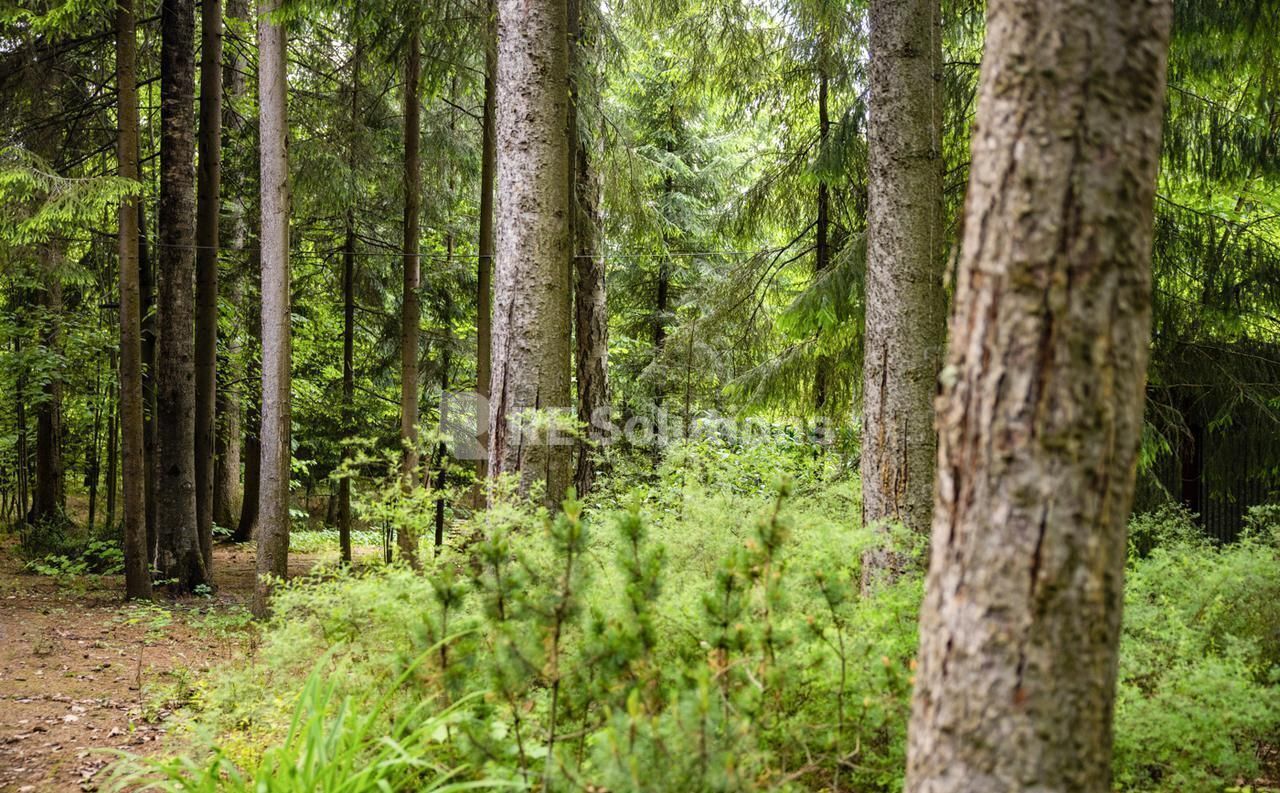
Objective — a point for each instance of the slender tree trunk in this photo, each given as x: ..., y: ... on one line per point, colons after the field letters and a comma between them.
x: 94, y: 456
x: 905, y: 304
x: 20, y: 415
x: 227, y: 494
x: 137, y: 556
x: 532, y: 317
x: 349, y: 319
x: 591, y: 331
x: 1041, y: 407
x: 348, y: 377
x: 147, y: 323
x: 410, y: 313
x: 273, y: 534
x: 208, y: 207
x: 226, y: 472
x: 485, y: 245
x: 113, y: 414
x: 50, y: 502
x: 247, y: 525
x: 822, y: 243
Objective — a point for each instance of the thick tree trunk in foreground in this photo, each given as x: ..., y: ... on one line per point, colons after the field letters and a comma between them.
x: 137, y: 564
x: 180, y: 558
x: 1041, y: 409
x: 532, y: 314
x: 410, y: 312
x: 905, y: 304
x: 485, y: 245
x: 209, y: 183
x: 591, y: 332
x: 273, y: 124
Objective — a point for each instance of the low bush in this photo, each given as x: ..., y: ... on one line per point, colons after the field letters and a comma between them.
x: 706, y: 632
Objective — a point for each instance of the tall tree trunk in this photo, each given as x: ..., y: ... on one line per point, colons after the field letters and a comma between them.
x: 93, y: 457
x: 1041, y: 408
x: 229, y: 424
x: 247, y: 525
x: 147, y: 324
x: 349, y: 317
x: 822, y: 243
x: 485, y: 245
x: 905, y: 304
x: 532, y: 317
x: 410, y: 312
x: 137, y: 556
x: 208, y: 206
x: 348, y: 371
x: 662, y: 297
x: 180, y: 558
x: 50, y: 502
x: 113, y: 427
x: 591, y: 331
x: 273, y: 124
x: 20, y: 417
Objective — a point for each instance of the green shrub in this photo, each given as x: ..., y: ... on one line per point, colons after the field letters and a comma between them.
x: 1197, y: 699
x: 692, y: 630
x: 330, y: 746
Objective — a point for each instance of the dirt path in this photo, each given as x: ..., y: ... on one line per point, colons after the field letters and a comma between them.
x: 81, y: 672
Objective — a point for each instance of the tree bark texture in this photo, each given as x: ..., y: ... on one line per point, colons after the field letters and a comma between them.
x: 229, y: 418
x: 532, y: 315
x: 147, y: 321
x: 485, y: 244
x: 591, y: 331
x: 208, y: 206
x: 410, y: 311
x: 137, y: 563
x: 905, y: 304
x: 228, y: 424
x: 274, y: 435
x: 1041, y: 409
x: 50, y: 499
x: 180, y: 558
x: 822, y: 234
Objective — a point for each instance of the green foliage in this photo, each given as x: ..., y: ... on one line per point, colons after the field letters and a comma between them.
x: 708, y: 635
x: 330, y: 746
x: 674, y: 643
x: 1197, y: 701
x: 100, y: 557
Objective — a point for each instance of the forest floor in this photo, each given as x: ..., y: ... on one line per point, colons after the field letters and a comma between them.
x: 84, y: 675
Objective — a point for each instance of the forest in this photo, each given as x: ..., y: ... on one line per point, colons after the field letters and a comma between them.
x: 652, y: 395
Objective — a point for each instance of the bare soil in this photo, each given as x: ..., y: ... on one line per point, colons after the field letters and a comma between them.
x: 83, y: 674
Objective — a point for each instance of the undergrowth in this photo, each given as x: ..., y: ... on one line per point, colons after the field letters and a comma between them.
x: 698, y: 626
